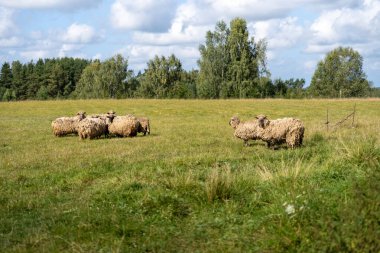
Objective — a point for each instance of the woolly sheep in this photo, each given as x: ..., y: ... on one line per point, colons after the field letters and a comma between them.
x: 285, y: 130
x: 67, y: 125
x: 244, y: 130
x: 92, y: 128
x: 144, y: 125
x: 124, y: 126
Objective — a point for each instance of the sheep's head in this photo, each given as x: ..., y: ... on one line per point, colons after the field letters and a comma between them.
x: 262, y: 120
x: 234, y: 121
x: 81, y: 115
x: 109, y: 118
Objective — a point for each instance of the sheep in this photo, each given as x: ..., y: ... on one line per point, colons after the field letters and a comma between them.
x: 285, y: 130
x: 92, y: 128
x: 124, y: 126
x: 244, y: 130
x: 67, y: 125
x: 96, y: 128
x: 144, y: 125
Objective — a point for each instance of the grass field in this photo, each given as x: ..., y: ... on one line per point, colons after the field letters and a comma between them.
x: 190, y: 186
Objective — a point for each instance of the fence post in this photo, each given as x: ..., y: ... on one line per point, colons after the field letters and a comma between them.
x: 327, y: 120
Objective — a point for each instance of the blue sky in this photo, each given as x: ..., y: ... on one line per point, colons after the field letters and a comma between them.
x: 299, y: 33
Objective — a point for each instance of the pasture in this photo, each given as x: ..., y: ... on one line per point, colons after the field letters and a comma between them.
x: 189, y: 186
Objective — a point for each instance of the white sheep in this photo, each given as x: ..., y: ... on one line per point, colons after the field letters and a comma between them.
x: 92, y: 128
x: 285, y: 130
x: 144, y: 125
x: 244, y: 130
x: 124, y: 126
x: 67, y: 125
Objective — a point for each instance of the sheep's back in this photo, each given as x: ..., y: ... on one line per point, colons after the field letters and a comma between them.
x: 124, y: 126
x: 279, y: 128
x: 65, y: 125
x: 91, y: 128
x: 246, y: 130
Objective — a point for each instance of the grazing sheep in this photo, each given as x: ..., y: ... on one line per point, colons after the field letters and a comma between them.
x: 244, y: 130
x: 92, y: 128
x: 67, y: 125
x: 144, y: 125
x: 124, y: 126
x: 285, y: 130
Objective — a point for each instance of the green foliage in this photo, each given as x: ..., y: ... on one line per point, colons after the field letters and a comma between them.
x: 231, y: 64
x: 54, y: 78
x: 340, y: 74
x: 213, y: 64
x: 291, y: 88
x: 162, y: 78
x: 5, y: 81
x: 104, y: 79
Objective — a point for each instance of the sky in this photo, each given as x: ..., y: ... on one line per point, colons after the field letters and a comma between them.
x: 299, y: 32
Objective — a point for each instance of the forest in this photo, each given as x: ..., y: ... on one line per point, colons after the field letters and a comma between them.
x: 231, y: 65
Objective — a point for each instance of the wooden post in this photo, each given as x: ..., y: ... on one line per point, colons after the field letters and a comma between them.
x: 353, y: 116
x: 327, y: 120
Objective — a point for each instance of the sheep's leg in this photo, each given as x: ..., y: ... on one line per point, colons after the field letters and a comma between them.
x: 246, y: 144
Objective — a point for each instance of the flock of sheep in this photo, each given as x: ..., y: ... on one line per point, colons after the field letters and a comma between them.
x: 273, y: 132
x: 94, y: 126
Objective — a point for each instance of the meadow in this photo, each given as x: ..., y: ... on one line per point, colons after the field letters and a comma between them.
x: 190, y: 186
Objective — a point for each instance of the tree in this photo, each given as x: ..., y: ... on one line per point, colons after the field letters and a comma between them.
x: 231, y: 63
x: 89, y: 85
x: 243, y: 69
x: 56, y: 80
x: 213, y: 64
x: 162, y: 78
x: 104, y: 80
x: 6, y: 81
x: 340, y: 74
x: 19, y: 80
x: 112, y: 74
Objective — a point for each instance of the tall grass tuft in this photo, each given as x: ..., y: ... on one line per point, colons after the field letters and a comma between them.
x: 219, y: 183
x: 361, y: 151
x: 292, y: 169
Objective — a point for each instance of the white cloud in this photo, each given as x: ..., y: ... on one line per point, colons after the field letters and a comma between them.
x: 49, y: 4
x: 80, y: 33
x: 177, y: 34
x: 280, y: 33
x: 147, y: 15
x: 310, y: 65
x: 35, y: 54
x: 97, y: 56
x: 139, y: 55
x: 11, y: 42
x: 66, y: 48
x: 345, y: 26
x: 7, y: 26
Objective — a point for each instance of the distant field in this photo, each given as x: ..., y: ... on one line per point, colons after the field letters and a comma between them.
x: 190, y: 186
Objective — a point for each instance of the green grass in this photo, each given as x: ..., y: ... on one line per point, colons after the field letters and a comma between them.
x: 190, y: 186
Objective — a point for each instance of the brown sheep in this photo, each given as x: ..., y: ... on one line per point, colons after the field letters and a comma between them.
x: 67, y: 125
x: 276, y: 132
x: 92, y: 128
x: 123, y: 126
x: 144, y: 125
x: 244, y: 130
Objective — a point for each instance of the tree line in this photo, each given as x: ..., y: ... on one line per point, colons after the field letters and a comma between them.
x: 231, y: 65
